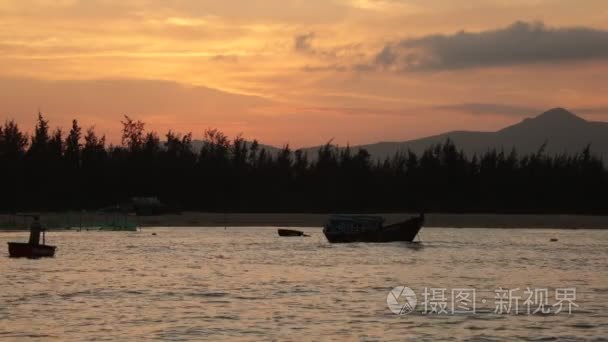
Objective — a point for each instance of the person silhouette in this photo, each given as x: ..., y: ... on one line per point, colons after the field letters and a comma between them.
x: 35, y: 229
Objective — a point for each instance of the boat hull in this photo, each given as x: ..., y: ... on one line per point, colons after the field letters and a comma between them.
x: 405, y: 231
x: 290, y: 232
x: 25, y: 250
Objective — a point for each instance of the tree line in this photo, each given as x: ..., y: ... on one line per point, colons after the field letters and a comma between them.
x: 78, y: 170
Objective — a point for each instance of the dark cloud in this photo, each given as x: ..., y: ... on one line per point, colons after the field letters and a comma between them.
x: 362, y: 67
x: 386, y: 57
x: 323, y: 68
x: 490, y: 109
x: 520, y: 43
x: 303, y: 42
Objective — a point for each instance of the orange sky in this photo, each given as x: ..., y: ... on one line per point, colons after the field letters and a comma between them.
x: 302, y: 72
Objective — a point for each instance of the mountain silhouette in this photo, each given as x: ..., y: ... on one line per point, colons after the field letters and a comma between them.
x: 197, y: 144
x: 558, y: 129
x: 561, y: 131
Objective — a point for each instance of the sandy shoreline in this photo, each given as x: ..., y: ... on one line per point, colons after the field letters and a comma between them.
x: 432, y: 220
x: 199, y: 219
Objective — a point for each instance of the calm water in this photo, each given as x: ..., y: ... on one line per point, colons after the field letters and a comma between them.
x: 249, y: 284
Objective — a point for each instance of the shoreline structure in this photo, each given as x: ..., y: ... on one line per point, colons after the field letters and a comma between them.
x: 200, y: 219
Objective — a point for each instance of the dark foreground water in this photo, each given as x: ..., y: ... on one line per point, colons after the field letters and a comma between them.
x: 249, y: 284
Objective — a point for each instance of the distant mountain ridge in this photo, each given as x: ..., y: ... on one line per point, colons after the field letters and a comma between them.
x: 561, y: 131
x: 197, y: 145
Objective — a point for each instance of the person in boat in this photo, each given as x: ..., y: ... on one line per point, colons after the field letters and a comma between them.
x: 35, y: 230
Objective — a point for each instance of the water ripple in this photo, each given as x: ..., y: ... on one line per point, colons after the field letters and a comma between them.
x: 249, y: 284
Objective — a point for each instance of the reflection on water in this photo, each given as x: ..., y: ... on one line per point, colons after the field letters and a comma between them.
x: 250, y: 284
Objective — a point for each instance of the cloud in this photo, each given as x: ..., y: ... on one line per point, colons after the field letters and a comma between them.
x: 162, y: 104
x: 482, y: 109
x: 601, y: 110
x: 225, y: 58
x: 386, y: 57
x: 520, y: 43
x: 490, y: 109
x: 325, y: 68
x: 356, y: 111
x: 303, y: 42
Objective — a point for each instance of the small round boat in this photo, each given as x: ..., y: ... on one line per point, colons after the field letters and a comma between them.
x: 26, y: 250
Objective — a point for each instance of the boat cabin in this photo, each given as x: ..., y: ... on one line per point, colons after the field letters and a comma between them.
x: 353, y: 223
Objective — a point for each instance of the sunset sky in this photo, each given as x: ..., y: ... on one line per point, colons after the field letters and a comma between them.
x: 302, y: 71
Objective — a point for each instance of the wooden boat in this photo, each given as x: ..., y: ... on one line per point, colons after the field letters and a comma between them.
x: 290, y: 232
x: 26, y: 250
x: 347, y: 228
